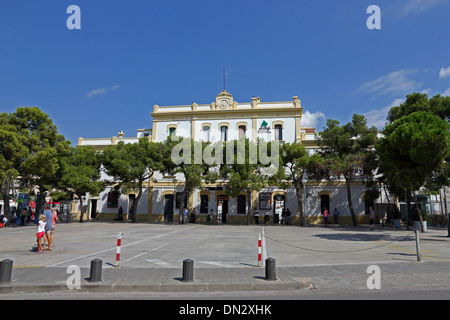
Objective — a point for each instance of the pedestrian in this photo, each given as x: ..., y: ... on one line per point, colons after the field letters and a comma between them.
x: 40, y: 232
x: 3, y: 221
x: 335, y: 216
x: 120, y: 218
x: 54, y: 220
x: 18, y: 216
x: 23, y: 217
x: 371, y: 218
x: 288, y: 217
x: 29, y: 214
x: 210, y: 215
x: 325, y: 216
x: 193, y: 215
x: 256, y: 215
x: 48, y: 227
x: 13, y: 218
x: 185, y: 214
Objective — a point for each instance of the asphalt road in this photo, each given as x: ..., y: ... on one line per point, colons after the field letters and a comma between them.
x: 221, y: 246
x: 334, y: 259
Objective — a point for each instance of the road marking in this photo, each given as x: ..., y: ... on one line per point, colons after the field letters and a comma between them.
x: 159, y: 262
x: 141, y: 254
x: 27, y: 267
x: 413, y: 252
x: 115, y: 247
x: 221, y: 264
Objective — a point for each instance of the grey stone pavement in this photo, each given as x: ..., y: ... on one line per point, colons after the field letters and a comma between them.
x: 225, y: 258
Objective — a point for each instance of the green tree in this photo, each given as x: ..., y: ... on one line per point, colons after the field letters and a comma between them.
x: 184, y: 156
x: 413, y: 147
x: 244, y: 173
x: 131, y: 165
x: 37, y: 149
x: 81, y: 173
x: 346, y: 148
x: 12, y: 151
x: 296, y: 163
x: 414, y: 102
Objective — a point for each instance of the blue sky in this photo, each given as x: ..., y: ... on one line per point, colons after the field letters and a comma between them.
x: 131, y: 55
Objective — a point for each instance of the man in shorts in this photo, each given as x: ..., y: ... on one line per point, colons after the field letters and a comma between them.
x: 48, y: 228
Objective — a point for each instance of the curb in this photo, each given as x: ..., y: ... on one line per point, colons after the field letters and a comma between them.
x: 108, y: 287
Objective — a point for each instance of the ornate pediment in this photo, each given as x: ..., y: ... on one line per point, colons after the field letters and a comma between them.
x: 224, y: 101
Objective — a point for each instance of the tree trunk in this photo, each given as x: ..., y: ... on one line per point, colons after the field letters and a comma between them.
x: 349, y: 200
x: 249, y: 205
x: 420, y: 213
x: 135, y: 204
x: 408, y: 206
x: 182, y: 201
x: 81, y: 207
x: 6, y: 198
x: 300, y: 203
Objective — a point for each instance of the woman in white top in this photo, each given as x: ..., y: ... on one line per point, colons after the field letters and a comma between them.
x: 40, y: 232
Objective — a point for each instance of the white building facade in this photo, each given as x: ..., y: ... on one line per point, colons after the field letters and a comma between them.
x: 225, y: 120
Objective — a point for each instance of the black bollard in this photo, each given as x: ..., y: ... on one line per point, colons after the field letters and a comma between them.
x: 5, y: 270
x: 270, y: 269
x: 96, y: 271
x: 188, y: 270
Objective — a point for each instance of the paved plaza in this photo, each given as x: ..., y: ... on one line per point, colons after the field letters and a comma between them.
x: 225, y: 257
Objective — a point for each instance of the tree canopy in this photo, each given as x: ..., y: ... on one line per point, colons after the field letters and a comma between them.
x: 30, y: 150
x: 345, y: 149
x: 81, y: 173
x: 131, y: 164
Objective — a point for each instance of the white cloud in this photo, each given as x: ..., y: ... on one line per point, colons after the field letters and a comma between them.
x: 312, y: 119
x: 100, y: 91
x: 378, y: 117
x: 446, y: 93
x: 427, y: 91
x: 393, y: 83
x: 403, y: 8
x: 445, y: 72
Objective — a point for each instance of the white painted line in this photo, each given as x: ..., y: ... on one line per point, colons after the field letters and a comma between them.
x: 141, y: 254
x: 115, y: 248
x: 221, y: 264
x: 159, y: 262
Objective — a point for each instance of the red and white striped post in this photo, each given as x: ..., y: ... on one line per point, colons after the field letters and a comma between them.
x: 119, y: 242
x: 259, y: 250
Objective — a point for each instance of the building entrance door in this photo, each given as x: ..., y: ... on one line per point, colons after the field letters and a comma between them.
x: 93, y: 208
x: 278, y: 208
x: 324, y: 203
x: 222, y: 209
x: 168, y: 208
